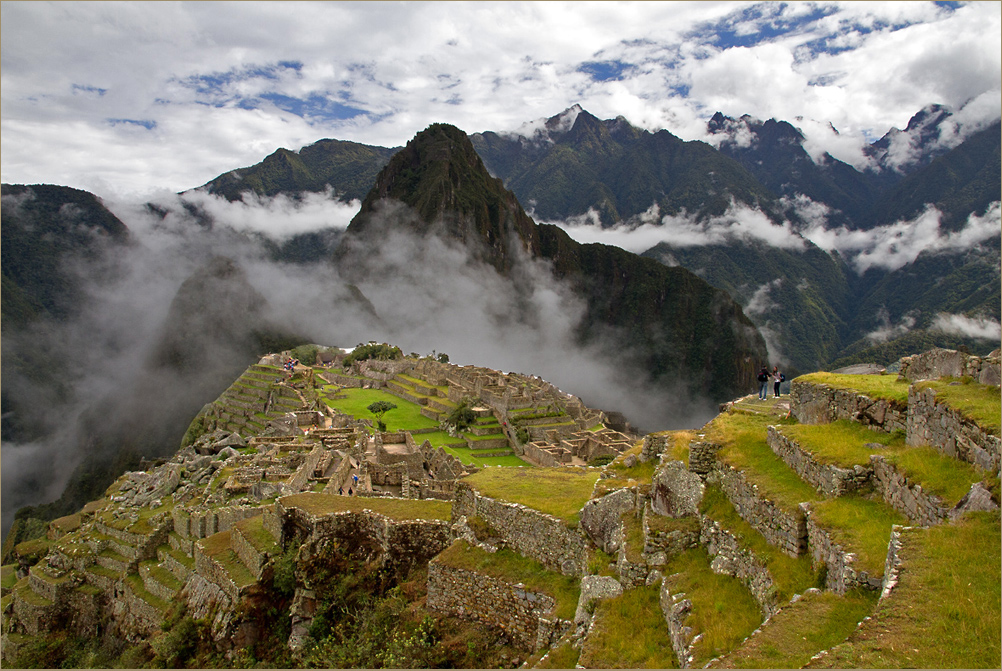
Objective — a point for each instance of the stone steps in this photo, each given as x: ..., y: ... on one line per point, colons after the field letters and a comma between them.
x: 158, y: 581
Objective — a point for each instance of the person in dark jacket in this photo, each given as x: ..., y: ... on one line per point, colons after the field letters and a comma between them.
x: 763, y: 383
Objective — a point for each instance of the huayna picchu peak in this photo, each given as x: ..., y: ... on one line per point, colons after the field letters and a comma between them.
x: 338, y: 508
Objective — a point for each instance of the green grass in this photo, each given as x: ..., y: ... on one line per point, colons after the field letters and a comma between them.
x: 801, y: 630
x: 397, y: 509
x: 723, y: 610
x: 841, y: 443
x: 405, y: 416
x: 978, y: 402
x: 790, y: 576
x: 944, y: 476
x: 513, y: 568
x: 945, y: 610
x: 8, y: 576
x: 564, y: 656
x: 859, y: 525
x: 560, y: 492
x: 97, y: 569
x: 875, y: 386
x: 218, y: 547
x: 25, y: 592
x: 139, y: 589
x: 743, y: 437
x: 600, y: 563
x: 253, y: 530
x: 630, y: 632
x: 633, y: 528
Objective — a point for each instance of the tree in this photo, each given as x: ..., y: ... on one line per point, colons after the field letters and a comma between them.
x: 380, y: 408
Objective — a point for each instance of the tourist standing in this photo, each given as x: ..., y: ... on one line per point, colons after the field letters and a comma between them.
x: 777, y: 378
x: 763, y: 383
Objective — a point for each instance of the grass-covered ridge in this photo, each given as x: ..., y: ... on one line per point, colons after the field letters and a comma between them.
x: 560, y: 492
x: 978, y: 402
x: 887, y: 387
x: 629, y: 632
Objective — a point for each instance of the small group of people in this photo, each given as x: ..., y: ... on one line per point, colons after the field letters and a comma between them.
x: 764, y: 377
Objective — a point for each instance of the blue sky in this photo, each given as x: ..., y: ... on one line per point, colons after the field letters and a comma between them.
x: 126, y: 98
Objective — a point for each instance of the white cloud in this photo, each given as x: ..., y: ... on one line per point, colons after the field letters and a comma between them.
x: 900, y: 243
x: 888, y: 331
x: 192, y: 68
x: 739, y: 222
x: 760, y: 302
x: 984, y: 328
x: 278, y: 217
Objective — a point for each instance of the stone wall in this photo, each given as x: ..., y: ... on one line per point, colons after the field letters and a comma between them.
x: 676, y: 609
x: 654, y: 445
x: 841, y: 573
x: 529, y: 532
x: 703, y: 456
x: 813, y: 403
x: 601, y: 518
x: 910, y: 500
x: 828, y: 479
x: 938, y: 362
x: 784, y: 529
x: 526, y: 616
x: 675, y: 491
x: 730, y: 558
x: 936, y: 424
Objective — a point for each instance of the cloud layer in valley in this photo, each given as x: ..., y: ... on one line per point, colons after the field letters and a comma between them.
x: 171, y: 95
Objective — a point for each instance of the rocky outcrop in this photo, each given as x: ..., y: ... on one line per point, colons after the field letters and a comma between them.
x: 601, y: 518
x: 675, y: 491
x: 938, y: 362
x: 813, y: 403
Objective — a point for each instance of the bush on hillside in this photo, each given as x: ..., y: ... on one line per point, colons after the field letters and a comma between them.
x: 373, y: 351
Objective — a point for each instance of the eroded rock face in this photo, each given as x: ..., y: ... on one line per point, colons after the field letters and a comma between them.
x: 676, y: 491
x: 601, y: 518
x: 937, y: 363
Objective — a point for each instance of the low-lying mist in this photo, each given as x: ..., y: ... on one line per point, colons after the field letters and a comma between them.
x: 427, y: 293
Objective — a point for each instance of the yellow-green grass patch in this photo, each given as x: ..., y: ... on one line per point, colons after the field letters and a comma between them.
x: 139, y: 589
x: 564, y: 656
x: 633, y: 528
x: 406, y: 415
x: 944, y: 611
x: 218, y: 547
x: 801, y: 630
x: 8, y: 576
x: 723, y: 610
x: 944, y: 476
x: 790, y: 575
x: 66, y: 524
x: 745, y: 447
x: 887, y: 387
x: 396, y: 509
x: 252, y: 528
x: 560, y: 492
x: 842, y: 443
x: 513, y: 568
x: 978, y: 402
x: 33, y: 549
x: 630, y: 632
x: 142, y: 525
x: 859, y: 525
x: 25, y: 593
x: 600, y: 563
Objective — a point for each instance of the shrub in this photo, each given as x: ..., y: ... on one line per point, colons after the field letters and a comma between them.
x: 373, y: 351
x: 462, y: 417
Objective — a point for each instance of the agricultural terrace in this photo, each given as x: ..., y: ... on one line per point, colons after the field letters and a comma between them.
x: 560, y: 492
x: 407, y: 417
x: 396, y: 509
x: 887, y: 387
x: 979, y: 402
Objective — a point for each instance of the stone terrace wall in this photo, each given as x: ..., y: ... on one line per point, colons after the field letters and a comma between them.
x: 910, y: 500
x: 676, y: 609
x: 786, y: 530
x: 524, y: 615
x: 936, y: 424
x: 822, y: 404
x: 841, y: 575
x: 937, y: 363
x: 703, y: 456
x: 828, y: 479
x: 530, y: 532
x: 730, y: 558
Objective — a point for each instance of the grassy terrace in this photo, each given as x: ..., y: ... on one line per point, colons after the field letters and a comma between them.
x: 723, y: 609
x: 790, y: 576
x: 560, y: 492
x: 8, y: 577
x: 859, y: 525
x: 801, y: 630
x: 396, y: 509
x: 513, y: 568
x: 253, y: 530
x: 139, y: 589
x: 743, y: 437
x: 218, y: 547
x: 978, y: 402
x: 629, y: 632
x: 843, y: 444
x: 944, y: 611
x: 875, y: 386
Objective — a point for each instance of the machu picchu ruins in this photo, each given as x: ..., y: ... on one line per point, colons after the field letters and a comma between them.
x: 791, y: 532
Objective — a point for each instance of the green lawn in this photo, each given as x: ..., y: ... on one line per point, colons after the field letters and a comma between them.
x: 979, y: 402
x: 560, y: 492
x: 397, y: 509
x: 406, y: 416
x: 841, y: 443
x: 875, y: 386
x: 629, y: 632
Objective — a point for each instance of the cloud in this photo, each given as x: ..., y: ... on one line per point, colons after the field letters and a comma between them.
x: 888, y: 331
x: 278, y: 217
x: 900, y: 243
x: 984, y: 328
x: 760, y: 303
x: 217, y: 86
x: 739, y: 222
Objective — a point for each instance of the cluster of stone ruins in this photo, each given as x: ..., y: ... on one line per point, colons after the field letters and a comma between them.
x: 176, y: 531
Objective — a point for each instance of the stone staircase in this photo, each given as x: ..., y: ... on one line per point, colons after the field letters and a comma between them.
x: 256, y: 397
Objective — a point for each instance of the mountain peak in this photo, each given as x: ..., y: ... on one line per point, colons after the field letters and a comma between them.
x: 449, y: 193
